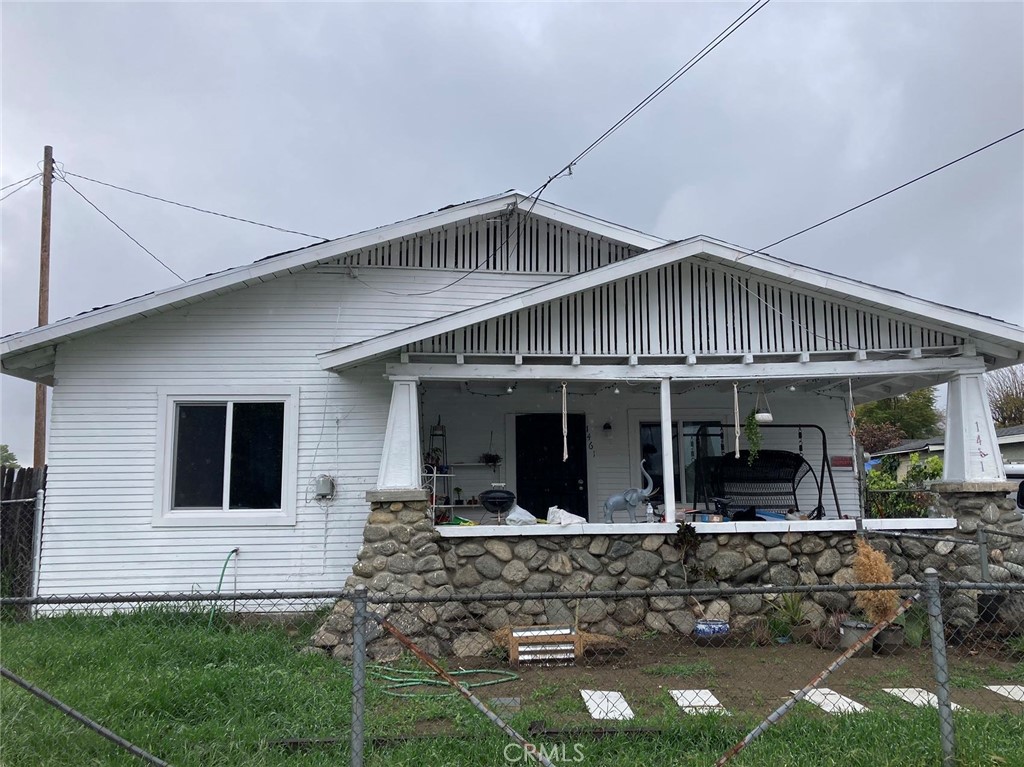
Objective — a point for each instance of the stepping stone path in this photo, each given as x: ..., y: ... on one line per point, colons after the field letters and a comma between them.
x: 698, y: 702
x: 609, y: 704
x: 605, y: 704
x: 1013, y: 691
x: 831, y: 702
x: 917, y: 696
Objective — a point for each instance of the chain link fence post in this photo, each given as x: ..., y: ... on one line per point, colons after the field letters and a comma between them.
x: 982, y: 538
x: 940, y: 666
x: 358, y: 718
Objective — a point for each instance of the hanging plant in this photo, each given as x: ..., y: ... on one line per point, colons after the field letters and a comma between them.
x: 752, y: 431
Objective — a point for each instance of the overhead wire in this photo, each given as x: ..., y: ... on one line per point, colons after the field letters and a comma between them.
x: 37, y: 174
x: 120, y: 228
x: 196, y: 208
x: 23, y: 183
x: 536, y: 194
x: 805, y: 230
x: 904, y: 185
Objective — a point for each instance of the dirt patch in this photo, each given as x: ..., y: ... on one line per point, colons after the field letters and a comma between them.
x: 750, y: 679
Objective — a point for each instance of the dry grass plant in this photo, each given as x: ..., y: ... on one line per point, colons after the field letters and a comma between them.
x: 870, y: 566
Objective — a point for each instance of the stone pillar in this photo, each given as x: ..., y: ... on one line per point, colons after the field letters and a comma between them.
x: 400, y: 463
x: 972, y: 453
x: 668, y: 451
x: 400, y: 555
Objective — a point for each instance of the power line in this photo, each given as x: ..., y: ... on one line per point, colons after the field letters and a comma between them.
x: 197, y: 209
x: 742, y: 19
x: 13, y: 183
x: 24, y: 183
x: 904, y: 185
x: 120, y: 228
x: 536, y: 194
x: 760, y: 251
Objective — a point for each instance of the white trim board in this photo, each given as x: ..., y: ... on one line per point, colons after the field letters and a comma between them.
x: 306, y: 257
x: 1008, y: 337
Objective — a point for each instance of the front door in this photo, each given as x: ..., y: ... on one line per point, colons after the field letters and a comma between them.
x: 542, y: 478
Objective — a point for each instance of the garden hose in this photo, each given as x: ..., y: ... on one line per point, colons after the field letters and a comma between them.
x: 398, y: 679
x: 224, y: 569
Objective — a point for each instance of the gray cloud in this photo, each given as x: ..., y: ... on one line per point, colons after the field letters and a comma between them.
x: 336, y: 118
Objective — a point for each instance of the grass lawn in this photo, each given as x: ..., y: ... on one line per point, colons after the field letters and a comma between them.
x: 198, y: 695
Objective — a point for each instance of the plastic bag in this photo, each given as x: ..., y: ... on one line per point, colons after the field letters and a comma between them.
x: 520, y: 516
x: 557, y: 516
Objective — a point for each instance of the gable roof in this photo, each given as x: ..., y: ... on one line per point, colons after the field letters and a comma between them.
x: 993, y: 337
x: 34, y: 346
x: 1007, y: 436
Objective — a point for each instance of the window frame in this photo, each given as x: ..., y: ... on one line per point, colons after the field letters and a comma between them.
x: 164, y: 515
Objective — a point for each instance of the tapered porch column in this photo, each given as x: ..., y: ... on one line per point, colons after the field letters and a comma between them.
x: 972, y: 453
x: 400, y: 462
x: 667, y: 451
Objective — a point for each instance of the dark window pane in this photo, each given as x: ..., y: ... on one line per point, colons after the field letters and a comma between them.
x: 199, y: 456
x: 257, y: 450
x: 650, y: 450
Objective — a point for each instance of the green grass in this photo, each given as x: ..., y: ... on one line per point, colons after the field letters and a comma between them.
x: 700, y: 669
x: 220, y: 696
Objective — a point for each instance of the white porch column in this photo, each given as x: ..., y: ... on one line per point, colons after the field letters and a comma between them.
x: 400, y: 461
x: 667, y: 451
x: 972, y: 453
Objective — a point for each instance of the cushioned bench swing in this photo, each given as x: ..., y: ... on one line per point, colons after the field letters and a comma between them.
x: 733, y: 485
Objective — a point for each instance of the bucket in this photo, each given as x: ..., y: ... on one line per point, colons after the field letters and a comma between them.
x: 850, y: 632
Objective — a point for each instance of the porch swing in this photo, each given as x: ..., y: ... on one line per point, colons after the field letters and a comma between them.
x: 768, y: 484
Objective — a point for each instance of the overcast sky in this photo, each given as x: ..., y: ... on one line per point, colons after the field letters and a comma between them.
x: 337, y: 118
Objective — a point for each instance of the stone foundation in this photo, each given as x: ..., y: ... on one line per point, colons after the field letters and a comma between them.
x: 403, y: 554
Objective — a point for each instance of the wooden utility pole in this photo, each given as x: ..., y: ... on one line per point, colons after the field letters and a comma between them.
x: 39, y: 449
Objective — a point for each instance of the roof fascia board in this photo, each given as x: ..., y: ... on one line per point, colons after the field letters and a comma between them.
x: 881, y: 297
x: 374, y: 347
x: 597, y: 226
x: 884, y: 299
x: 302, y: 259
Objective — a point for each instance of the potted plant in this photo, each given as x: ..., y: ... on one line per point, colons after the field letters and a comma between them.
x: 870, y: 566
x: 490, y: 459
x: 752, y: 432
x: 433, y: 456
x: 458, y: 495
x: 791, y: 617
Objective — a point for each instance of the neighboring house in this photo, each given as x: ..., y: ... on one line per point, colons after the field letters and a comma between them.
x: 209, y: 416
x: 1010, y: 441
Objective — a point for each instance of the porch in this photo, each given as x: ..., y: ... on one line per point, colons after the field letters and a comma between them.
x: 572, y: 435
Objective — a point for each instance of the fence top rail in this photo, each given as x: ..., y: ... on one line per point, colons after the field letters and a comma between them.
x: 190, y: 596
x: 379, y: 598
x: 918, y: 536
x: 1004, y: 533
x: 382, y: 598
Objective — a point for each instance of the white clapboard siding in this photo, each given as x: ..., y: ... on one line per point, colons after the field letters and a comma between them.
x: 692, y: 307
x: 98, y: 535
x: 475, y: 420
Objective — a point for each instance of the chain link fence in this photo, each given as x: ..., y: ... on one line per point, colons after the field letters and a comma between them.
x: 701, y: 676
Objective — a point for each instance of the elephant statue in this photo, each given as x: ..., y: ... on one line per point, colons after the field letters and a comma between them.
x: 629, y: 500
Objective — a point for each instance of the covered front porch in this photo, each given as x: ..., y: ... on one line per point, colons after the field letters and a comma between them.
x: 572, y: 433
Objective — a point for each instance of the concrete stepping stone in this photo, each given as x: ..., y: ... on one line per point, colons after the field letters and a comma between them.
x: 1011, y: 691
x: 917, y: 697
x: 831, y: 702
x: 698, y: 702
x: 606, y: 704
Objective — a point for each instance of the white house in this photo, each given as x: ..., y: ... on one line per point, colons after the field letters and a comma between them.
x: 212, y: 415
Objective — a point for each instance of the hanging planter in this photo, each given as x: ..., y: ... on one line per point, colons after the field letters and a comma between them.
x: 752, y: 432
x: 762, y: 412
